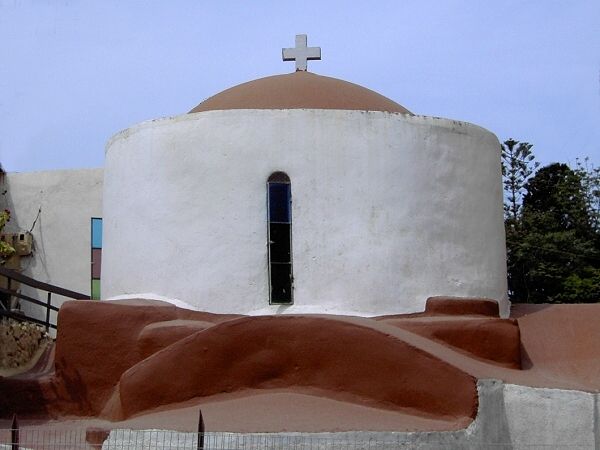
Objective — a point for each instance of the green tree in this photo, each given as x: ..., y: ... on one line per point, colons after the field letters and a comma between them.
x: 556, y: 257
x: 518, y: 164
x: 6, y: 250
x: 590, y: 181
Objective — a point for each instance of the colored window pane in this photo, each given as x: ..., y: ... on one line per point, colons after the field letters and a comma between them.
x: 279, y: 242
x: 96, y: 262
x: 279, y: 202
x: 96, y: 233
x: 95, y: 290
x: 281, y: 283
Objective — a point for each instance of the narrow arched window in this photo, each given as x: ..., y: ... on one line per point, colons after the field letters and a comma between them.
x: 279, y: 206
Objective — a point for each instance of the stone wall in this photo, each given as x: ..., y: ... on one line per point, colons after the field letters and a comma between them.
x: 19, y: 341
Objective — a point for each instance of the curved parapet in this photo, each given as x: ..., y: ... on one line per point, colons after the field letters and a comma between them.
x: 276, y: 352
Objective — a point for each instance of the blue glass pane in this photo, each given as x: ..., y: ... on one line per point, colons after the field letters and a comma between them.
x: 279, y: 202
x: 96, y: 233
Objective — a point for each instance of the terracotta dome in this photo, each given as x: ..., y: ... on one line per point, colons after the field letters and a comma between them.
x: 299, y: 90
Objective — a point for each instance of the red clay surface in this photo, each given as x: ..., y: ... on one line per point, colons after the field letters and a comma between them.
x: 141, y: 364
x: 489, y: 339
x: 277, y: 352
x: 300, y: 90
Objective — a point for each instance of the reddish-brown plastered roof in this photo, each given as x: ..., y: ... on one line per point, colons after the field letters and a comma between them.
x: 300, y: 90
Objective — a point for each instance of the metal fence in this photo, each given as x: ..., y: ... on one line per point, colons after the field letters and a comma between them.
x: 62, y: 439
x: 9, y: 277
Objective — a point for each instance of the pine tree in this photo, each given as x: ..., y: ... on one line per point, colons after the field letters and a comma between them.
x: 590, y: 181
x: 517, y: 167
x: 557, y: 256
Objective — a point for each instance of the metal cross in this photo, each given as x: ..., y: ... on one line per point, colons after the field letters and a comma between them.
x: 301, y: 53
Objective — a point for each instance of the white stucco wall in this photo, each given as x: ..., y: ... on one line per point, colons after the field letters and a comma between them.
x: 508, y: 417
x: 388, y: 210
x: 62, y: 248
x: 551, y: 417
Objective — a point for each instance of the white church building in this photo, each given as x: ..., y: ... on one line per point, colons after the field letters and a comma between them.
x: 295, y: 193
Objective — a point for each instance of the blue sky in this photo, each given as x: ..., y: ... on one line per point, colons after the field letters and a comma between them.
x: 73, y: 73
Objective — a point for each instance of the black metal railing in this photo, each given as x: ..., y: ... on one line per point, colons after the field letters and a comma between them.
x: 14, y: 276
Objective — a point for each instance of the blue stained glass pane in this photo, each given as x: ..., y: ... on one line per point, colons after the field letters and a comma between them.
x: 279, y: 202
x: 96, y: 233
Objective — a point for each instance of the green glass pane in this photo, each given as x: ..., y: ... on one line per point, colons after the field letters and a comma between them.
x: 95, y: 289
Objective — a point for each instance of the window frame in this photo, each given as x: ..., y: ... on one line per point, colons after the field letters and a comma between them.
x: 282, y: 178
x: 96, y: 244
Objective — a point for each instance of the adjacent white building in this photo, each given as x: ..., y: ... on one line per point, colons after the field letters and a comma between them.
x: 57, y: 207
